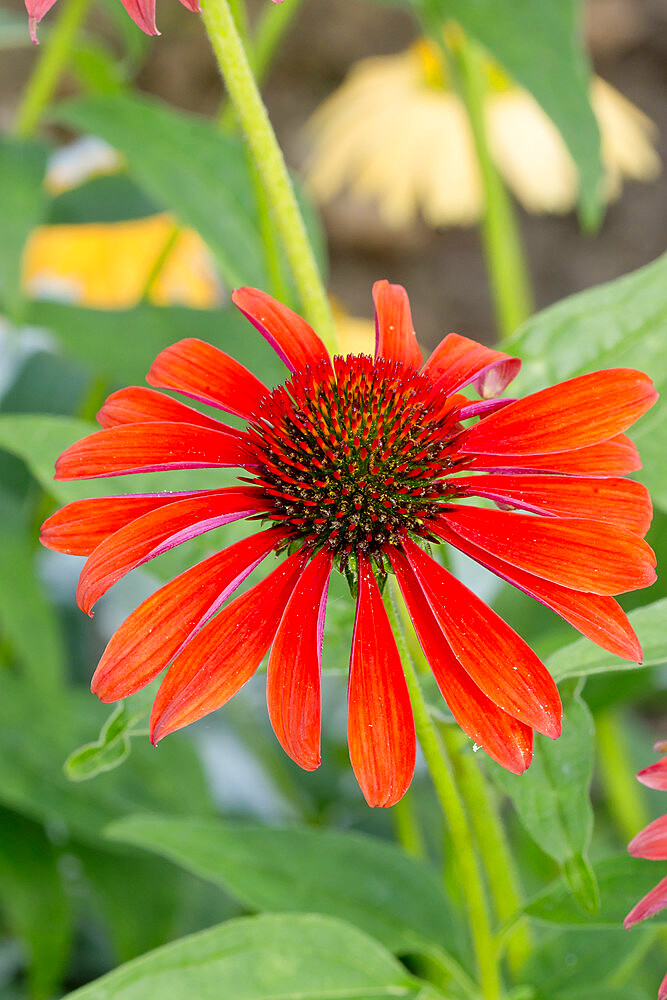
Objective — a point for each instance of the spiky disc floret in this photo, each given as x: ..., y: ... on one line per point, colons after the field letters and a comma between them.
x: 353, y: 457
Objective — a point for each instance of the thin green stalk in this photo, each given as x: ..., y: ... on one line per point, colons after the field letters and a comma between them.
x: 501, y: 873
x: 49, y: 67
x: 407, y: 828
x: 622, y: 790
x: 508, y: 274
x: 442, y: 774
x: 272, y: 25
x: 269, y: 238
x: 158, y: 264
x: 252, y: 115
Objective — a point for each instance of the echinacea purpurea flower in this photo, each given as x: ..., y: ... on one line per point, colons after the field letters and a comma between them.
x: 354, y: 464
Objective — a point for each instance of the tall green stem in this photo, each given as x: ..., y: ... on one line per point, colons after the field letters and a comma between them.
x: 51, y: 62
x: 505, y: 261
x: 622, y: 790
x: 442, y: 774
x: 247, y: 101
x: 501, y: 873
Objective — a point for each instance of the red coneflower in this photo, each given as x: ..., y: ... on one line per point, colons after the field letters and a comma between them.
x: 350, y: 465
x: 652, y: 843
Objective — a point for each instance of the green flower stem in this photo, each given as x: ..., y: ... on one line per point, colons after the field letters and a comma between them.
x: 505, y: 261
x: 158, y: 264
x: 254, y: 120
x: 270, y: 244
x: 501, y: 873
x: 407, y: 829
x: 272, y: 25
x: 49, y: 67
x: 442, y: 774
x: 622, y: 790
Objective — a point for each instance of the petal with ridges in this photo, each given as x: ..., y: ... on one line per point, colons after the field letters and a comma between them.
x: 293, y: 340
x: 655, y: 776
x: 578, y: 553
x: 226, y: 652
x: 205, y: 373
x: 293, y: 674
x: 652, y: 903
x: 155, y: 632
x: 79, y: 527
x: 619, y: 501
x: 601, y: 619
x: 616, y: 457
x: 142, y: 13
x: 496, y: 658
x: 380, y: 725
x: 36, y: 11
x: 458, y: 361
x: 150, y: 447
x: 138, y: 405
x: 156, y: 532
x: 583, y: 411
x: 395, y: 337
x: 504, y: 738
x: 651, y: 843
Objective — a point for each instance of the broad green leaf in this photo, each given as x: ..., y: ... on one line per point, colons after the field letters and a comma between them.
x: 109, y: 750
x: 617, y: 325
x: 31, y: 766
x: 34, y: 901
x: 622, y: 882
x: 121, y: 345
x: 23, y: 204
x: 566, y: 957
x: 271, y: 957
x: 370, y: 883
x: 582, y: 658
x: 28, y: 623
x: 541, y: 46
x: 188, y: 166
x: 552, y: 797
x: 108, y: 198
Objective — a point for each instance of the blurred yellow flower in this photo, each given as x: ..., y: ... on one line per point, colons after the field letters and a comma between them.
x: 108, y: 265
x: 398, y: 134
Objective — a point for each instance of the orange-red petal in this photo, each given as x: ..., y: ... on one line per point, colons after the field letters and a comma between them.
x: 142, y: 13
x: 154, y: 533
x: 601, y: 619
x: 655, y: 776
x: 573, y: 414
x: 578, y: 553
x: 79, y: 527
x: 293, y: 674
x: 504, y: 738
x: 458, y: 361
x: 651, y: 843
x: 496, y: 658
x: 395, y: 337
x: 652, y: 903
x: 293, y: 340
x: 225, y: 653
x: 150, y: 447
x: 138, y: 405
x: 380, y: 724
x: 616, y: 457
x: 619, y: 501
x: 205, y: 373
x: 154, y: 633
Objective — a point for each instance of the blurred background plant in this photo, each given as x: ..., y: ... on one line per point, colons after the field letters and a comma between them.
x: 129, y: 238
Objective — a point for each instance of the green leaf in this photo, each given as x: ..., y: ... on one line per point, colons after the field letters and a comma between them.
x: 188, y: 166
x: 276, y: 957
x: 552, y: 797
x: 28, y: 622
x: 108, y: 751
x: 582, y: 658
x: 32, y: 754
x: 617, y: 325
x: 109, y: 198
x: 540, y: 45
x: 121, y: 345
x: 23, y: 204
x: 370, y: 883
x: 34, y: 900
x: 622, y: 882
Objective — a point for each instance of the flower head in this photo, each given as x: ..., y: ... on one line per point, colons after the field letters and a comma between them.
x: 652, y: 843
x: 434, y: 169
x: 354, y: 464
